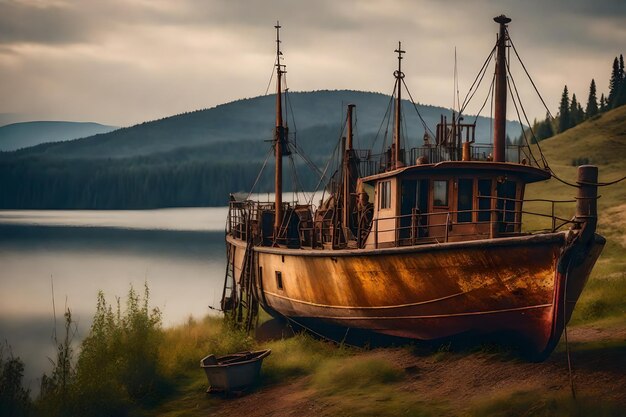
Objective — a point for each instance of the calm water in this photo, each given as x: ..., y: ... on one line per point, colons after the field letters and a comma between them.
x: 179, y: 252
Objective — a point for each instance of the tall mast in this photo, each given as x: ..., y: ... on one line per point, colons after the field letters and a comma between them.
x: 397, y: 163
x: 279, y: 136
x: 499, y: 123
x: 348, y: 175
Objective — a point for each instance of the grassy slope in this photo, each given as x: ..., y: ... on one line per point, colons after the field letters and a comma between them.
x: 603, y: 142
x: 339, y: 381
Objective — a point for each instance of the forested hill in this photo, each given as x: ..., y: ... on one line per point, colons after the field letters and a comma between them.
x: 313, y: 115
x: 25, y: 134
x: 197, y: 158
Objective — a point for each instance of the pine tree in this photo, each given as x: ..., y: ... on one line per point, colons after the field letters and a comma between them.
x: 564, y: 117
x: 592, y: 103
x: 602, y: 103
x: 544, y: 129
x: 614, y: 84
x: 573, y: 112
x: 580, y: 113
x: 620, y: 98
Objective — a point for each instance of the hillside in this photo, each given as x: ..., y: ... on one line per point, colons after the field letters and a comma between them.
x: 26, y: 134
x: 198, y: 158
x: 600, y: 141
x: 316, y: 117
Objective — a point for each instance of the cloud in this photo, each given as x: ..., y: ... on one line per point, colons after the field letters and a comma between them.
x: 125, y: 61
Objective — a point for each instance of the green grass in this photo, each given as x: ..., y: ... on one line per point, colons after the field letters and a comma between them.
x: 602, y: 140
x: 538, y: 404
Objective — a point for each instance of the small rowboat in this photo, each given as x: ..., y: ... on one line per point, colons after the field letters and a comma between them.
x: 233, y: 372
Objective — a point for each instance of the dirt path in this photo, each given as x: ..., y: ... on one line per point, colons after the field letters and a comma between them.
x: 599, y: 366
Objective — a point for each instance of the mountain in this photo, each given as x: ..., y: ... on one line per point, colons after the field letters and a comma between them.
x: 25, y: 134
x: 198, y: 158
x: 252, y: 120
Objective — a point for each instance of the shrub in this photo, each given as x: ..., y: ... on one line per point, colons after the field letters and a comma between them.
x: 580, y: 161
x: 14, y: 399
x: 118, y: 365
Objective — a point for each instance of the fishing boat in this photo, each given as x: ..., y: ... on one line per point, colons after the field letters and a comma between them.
x: 423, y: 243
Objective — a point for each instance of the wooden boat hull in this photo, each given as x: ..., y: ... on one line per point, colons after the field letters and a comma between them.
x: 518, y: 285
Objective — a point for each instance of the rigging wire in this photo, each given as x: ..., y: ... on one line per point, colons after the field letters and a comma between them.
x: 260, y: 172
x: 489, y: 94
x: 543, y: 158
x: 527, y: 74
x: 328, y: 163
x: 386, y: 117
x: 520, y: 122
x: 482, y: 71
x: 271, y: 77
x: 426, y: 128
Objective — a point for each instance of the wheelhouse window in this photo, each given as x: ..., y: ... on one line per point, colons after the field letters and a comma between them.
x: 440, y: 193
x: 506, y: 204
x: 484, y: 200
x: 385, y: 194
x: 465, y: 200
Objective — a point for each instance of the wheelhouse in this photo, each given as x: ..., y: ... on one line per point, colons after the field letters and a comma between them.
x: 448, y: 201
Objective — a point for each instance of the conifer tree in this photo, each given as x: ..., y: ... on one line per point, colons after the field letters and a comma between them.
x: 620, y: 98
x: 544, y: 129
x: 614, y: 84
x: 564, y: 116
x: 602, y: 103
x: 592, y: 102
x: 573, y: 111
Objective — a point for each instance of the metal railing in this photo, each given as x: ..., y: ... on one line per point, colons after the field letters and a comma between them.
x: 371, y: 164
x: 322, y: 230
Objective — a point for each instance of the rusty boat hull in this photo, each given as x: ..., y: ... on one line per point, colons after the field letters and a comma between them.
x: 523, y: 285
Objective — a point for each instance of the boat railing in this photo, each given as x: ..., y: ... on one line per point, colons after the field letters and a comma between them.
x: 323, y: 230
x: 479, y: 152
x: 375, y: 163
x: 445, y: 226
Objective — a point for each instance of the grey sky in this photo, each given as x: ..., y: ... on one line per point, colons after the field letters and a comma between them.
x: 126, y: 61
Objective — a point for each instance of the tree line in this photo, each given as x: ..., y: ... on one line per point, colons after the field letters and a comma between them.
x: 129, y: 184
x: 571, y: 112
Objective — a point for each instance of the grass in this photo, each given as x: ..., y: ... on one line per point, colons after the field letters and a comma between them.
x: 538, y: 404
x: 603, y: 142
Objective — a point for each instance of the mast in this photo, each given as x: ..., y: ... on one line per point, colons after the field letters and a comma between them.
x: 397, y: 163
x: 279, y: 136
x: 499, y: 123
x: 348, y: 175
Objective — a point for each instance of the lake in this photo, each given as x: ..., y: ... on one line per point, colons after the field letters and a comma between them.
x: 179, y: 252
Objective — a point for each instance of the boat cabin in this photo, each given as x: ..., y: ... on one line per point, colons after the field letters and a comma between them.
x: 446, y: 202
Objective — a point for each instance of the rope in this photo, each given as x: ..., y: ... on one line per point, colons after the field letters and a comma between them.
x: 569, y: 360
x: 489, y: 94
x: 385, y: 118
x: 426, y: 128
x: 578, y: 184
x: 483, y: 71
x: 523, y: 130
x: 528, y: 75
x: 308, y: 329
x: 543, y: 158
x: 271, y: 77
x: 260, y: 172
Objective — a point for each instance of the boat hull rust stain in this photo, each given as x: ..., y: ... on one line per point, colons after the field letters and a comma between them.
x: 428, y: 293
